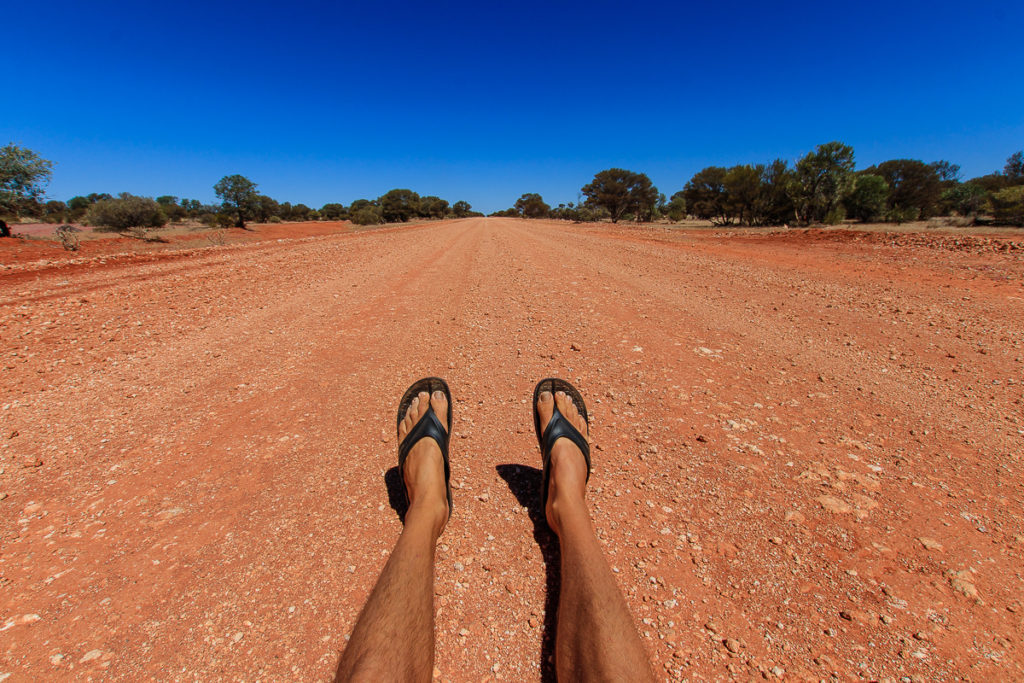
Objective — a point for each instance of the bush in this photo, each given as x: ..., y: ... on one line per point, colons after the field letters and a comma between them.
x: 368, y: 215
x: 126, y: 212
x: 68, y: 236
x: 1008, y: 206
x: 274, y: 219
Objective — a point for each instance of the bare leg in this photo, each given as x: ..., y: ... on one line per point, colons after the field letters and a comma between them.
x: 393, y: 639
x: 596, y: 639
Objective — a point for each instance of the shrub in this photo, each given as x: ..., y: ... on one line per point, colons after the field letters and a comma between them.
x: 368, y: 215
x: 68, y: 236
x: 126, y: 212
x: 1008, y: 206
x: 274, y: 219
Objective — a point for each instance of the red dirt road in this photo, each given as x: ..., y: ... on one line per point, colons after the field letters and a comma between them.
x: 807, y: 463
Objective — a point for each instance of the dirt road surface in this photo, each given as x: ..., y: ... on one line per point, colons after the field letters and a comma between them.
x: 807, y: 463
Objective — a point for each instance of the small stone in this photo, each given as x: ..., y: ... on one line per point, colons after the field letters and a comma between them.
x: 437, y: 672
x: 31, y: 462
x: 794, y: 516
x: 930, y: 543
x: 463, y: 632
x: 702, y: 438
x: 775, y: 540
x: 711, y: 626
x: 574, y: 347
x: 90, y: 655
x: 834, y: 505
x: 732, y: 645
x: 57, y: 659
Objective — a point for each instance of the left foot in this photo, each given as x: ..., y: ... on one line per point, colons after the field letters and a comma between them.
x: 423, y: 470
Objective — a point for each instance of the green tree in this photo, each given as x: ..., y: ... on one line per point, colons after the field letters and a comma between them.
x: 531, y: 205
x: 915, y: 188
x: 776, y: 193
x: 867, y: 201
x: 77, y: 206
x: 171, y: 208
x: 333, y: 211
x: 398, y: 205
x: 126, y: 212
x: 675, y: 210
x: 743, y: 193
x: 23, y: 177
x: 264, y: 208
x: 55, y: 211
x: 461, y: 208
x: 967, y: 199
x: 1014, y: 169
x: 366, y: 214
x: 620, y: 191
x: 1008, y: 206
x: 705, y: 194
x: 820, y: 181
x: 433, y: 207
x: 238, y: 196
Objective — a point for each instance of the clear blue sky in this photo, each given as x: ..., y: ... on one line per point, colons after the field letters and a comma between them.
x: 333, y: 101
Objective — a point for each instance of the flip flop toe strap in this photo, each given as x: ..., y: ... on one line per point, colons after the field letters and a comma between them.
x: 428, y: 427
x: 559, y: 427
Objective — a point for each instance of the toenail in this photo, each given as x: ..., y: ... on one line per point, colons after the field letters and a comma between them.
x: 438, y: 394
x: 545, y: 395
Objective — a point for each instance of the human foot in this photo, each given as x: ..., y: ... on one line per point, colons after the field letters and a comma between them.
x: 423, y: 468
x: 567, y: 468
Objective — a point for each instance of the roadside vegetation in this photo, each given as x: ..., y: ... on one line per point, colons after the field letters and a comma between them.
x: 822, y: 187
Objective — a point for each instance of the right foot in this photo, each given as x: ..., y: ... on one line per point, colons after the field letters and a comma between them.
x: 567, y: 471
x: 423, y: 470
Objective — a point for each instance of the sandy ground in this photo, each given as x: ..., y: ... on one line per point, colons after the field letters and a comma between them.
x: 807, y: 463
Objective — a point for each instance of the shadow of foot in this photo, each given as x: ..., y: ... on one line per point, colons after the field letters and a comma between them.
x: 524, y: 483
x: 396, y: 492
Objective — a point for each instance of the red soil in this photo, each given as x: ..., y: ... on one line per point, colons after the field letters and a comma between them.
x: 807, y: 449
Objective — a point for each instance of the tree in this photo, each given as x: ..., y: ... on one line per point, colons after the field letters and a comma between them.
x: 675, y: 210
x: 55, y: 211
x: 77, y: 206
x: 171, y: 208
x: 333, y: 211
x: 821, y: 180
x: 265, y: 208
x: 126, y: 212
x: 776, y: 193
x: 914, y: 188
x: 531, y: 205
x: 23, y: 175
x: 1014, y: 169
x: 967, y: 199
x: 1008, y: 206
x: 620, y: 191
x: 239, y: 197
x: 948, y: 172
x: 743, y: 193
x: 398, y: 206
x: 867, y: 201
x: 366, y: 214
x: 433, y: 207
x: 705, y: 194
x: 461, y: 208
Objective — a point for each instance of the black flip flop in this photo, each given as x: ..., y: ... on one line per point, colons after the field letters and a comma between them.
x: 558, y: 427
x: 429, y: 426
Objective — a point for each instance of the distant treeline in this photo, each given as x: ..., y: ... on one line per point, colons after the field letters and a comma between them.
x: 23, y: 176
x: 822, y: 187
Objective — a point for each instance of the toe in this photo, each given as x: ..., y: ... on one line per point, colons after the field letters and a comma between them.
x: 545, y: 408
x: 440, y: 405
x: 567, y: 408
